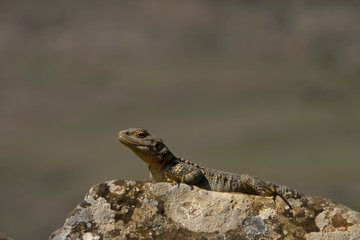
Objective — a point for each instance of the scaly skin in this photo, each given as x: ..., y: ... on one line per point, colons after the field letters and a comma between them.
x: 165, y: 166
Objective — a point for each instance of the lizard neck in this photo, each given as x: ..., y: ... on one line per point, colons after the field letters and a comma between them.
x: 155, y: 156
x: 163, y: 157
x: 166, y: 155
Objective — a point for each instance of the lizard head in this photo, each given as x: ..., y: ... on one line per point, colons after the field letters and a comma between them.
x: 150, y: 149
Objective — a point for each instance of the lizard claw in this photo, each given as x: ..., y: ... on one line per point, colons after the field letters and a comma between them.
x: 166, y: 176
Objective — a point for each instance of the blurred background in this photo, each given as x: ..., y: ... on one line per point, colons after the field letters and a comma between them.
x: 271, y: 89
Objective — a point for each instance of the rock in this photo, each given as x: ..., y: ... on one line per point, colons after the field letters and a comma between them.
x: 149, y: 210
x: 4, y: 237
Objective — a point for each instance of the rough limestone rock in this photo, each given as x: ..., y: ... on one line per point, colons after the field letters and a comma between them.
x: 148, y: 210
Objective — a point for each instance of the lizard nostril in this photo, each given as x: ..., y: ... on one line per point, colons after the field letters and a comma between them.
x: 126, y: 133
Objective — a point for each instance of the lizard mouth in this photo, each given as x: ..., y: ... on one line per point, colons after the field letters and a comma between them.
x: 127, y: 141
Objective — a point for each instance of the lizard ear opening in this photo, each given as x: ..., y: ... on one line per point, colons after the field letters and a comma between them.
x: 158, y: 144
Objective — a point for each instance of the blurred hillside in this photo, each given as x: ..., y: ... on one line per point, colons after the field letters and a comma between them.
x: 262, y: 88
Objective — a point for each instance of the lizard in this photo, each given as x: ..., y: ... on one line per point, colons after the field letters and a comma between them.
x: 164, y: 166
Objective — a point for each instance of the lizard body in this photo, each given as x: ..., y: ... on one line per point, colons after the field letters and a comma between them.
x: 165, y: 166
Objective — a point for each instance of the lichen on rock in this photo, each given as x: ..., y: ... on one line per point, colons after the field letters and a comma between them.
x: 162, y: 210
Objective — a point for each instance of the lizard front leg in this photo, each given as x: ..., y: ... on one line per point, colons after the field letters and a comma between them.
x: 191, y: 178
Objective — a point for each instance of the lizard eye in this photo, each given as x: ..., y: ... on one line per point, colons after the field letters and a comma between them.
x: 141, y: 133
